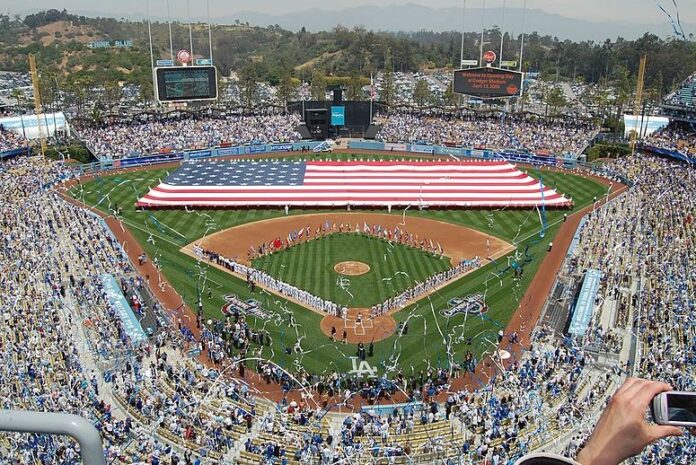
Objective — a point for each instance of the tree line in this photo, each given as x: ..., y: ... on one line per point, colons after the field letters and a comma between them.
x: 285, y: 58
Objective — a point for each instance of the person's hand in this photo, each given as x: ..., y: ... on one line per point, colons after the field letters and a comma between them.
x: 622, y: 431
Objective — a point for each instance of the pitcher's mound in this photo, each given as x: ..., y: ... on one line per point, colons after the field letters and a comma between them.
x: 352, y: 268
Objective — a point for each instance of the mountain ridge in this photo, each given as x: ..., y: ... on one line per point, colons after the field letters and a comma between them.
x: 409, y: 17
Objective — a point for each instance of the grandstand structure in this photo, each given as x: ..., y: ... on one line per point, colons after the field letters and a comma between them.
x: 681, y: 103
x: 518, y: 342
x: 221, y: 418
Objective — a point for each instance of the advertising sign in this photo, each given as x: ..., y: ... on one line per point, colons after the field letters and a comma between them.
x: 422, y: 149
x: 257, y: 149
x: 225, y: 151
x: 395, y: 147
x: 338, y: 115
x: 200, y: 154
x: 281, y: 147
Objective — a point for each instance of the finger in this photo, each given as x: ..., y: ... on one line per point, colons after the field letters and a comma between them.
x: 626, y: 385
x: 650, y: 389
x: 658, y: 432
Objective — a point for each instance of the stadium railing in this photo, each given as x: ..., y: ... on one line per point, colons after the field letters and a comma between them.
x: 57, y: 424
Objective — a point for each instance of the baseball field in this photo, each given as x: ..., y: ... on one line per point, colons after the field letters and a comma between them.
x: 433, y: 339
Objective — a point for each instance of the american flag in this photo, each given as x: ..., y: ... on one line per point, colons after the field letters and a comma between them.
x: 493, y: 184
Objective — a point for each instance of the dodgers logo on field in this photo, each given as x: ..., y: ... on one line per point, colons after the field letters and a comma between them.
x: 362, y: 369
x: 244, y: 307
x: 471, y: 304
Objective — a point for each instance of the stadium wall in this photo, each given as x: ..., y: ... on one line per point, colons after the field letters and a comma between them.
x: 667, y: 153
x: 155, y: 159
x: 458, y: 152
x: 15, y: 152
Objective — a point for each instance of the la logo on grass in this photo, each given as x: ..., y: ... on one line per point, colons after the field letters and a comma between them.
x: 363, y: 369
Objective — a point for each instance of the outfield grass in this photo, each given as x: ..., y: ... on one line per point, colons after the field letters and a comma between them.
x: 310, y: 266
x: 429, y: 333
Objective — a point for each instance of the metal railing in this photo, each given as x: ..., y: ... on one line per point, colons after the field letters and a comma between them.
x: 78, y: 428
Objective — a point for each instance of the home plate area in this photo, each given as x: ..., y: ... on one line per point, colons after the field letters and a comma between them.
x: 359, y: 328
x: 358, y: 325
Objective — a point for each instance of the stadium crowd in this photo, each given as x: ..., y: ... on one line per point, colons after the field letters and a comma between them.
x: 643, y: 244
x: 10, y: 140
x: 675, y: 137
x: 65, y: 349
x: 685, y: 94
x: 143, y: 138
x: 493, y: 131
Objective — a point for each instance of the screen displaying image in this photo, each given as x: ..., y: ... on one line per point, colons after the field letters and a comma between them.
x: 186, y: 83
x: 681, y: 408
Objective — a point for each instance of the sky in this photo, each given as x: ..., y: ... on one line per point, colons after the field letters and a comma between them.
x: 635, y: 11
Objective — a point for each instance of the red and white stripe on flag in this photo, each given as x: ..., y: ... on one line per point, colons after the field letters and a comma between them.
x: 377, y: 184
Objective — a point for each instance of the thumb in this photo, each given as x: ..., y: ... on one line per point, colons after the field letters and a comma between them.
x: 659, y: 431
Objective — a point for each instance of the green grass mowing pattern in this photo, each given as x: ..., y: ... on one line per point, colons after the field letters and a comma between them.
x: 310, y: 266
x: 423, y: 346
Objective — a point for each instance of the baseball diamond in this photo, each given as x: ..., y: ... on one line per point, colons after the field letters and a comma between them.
x: 170, y: 235
x: 304, y: 243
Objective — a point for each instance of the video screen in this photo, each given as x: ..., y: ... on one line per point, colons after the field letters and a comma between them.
x: 186, y: 83
x: 488, y: 82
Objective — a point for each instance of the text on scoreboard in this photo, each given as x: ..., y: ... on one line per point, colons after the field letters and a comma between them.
x: 488, y: 82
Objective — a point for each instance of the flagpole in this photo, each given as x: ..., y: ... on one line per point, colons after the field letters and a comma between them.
x: 188, y: 12
x: 483, y: 30
x: 524, y: 17
x: 461, y: 53
x: 502, y: 37
x: 372, y: 94
x: 149, y: 33
x: 169, y: 23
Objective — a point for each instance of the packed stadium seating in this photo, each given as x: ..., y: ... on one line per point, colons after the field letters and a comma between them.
x: 684, y: 95
x: 10, y: 140
x: 64, y: 349
x: 493, y: 130
x: 675, y: 137
x: 174, y: 135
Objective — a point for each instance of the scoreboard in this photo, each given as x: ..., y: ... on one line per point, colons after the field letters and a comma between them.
x: 488, y: 82
x: 186, y: 83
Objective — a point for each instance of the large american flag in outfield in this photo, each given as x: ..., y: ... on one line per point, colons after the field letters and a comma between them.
x: 493, y: 184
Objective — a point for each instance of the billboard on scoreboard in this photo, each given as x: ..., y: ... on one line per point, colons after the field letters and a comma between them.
x: 185, y: 83
x: 488, y: 82
x: 338, y: 115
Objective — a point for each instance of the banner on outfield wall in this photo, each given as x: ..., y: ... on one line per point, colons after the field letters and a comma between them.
x: 200, y: 154
x: 422, y: 149
x: 449, y: 151
x: 280, y: 147
x: 168, y: 157
x: 395, y: 147
x: 257, y: 149
x: 117, y: 301
x: 226, y: 151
